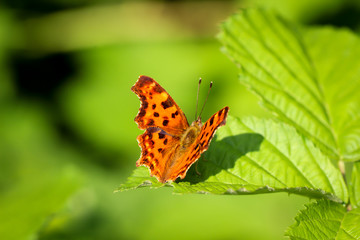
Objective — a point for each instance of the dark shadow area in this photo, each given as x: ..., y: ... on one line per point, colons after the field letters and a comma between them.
x: 35, y: 8
x: 41, y: 76
x: 347, y: 16
x: 223, y: 155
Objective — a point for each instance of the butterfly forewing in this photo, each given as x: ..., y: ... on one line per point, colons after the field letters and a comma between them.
x: 211, y: 125
x: 157, y: 108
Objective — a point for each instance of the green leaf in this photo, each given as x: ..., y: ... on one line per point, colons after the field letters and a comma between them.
x: 350, y: 227
x: 140, y: 178
x: 292, y: 80
x: 338, y: 72
x: 354, y: 185
x: 320, y: 220
x: 246, y: 157
x: 325, y: 220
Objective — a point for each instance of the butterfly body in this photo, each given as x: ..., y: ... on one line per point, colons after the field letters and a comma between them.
x: 169, y: 145
x: 190, y: 134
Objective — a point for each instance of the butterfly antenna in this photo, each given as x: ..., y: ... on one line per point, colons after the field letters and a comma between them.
x: 197, y: 97
x: 211, y: 83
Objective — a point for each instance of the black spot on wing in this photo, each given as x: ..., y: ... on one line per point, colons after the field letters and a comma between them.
x: 161, y: 135
x: 145, y: 104
x: 151, y: 122
x: 167, y: 103
x: 156, y: 114
x: 187, y: 165
x: 153, y: 106
x: 212, y: 120
x: 182, y: 172
x: 141, y: 113
x: 151, y: 166
x: 165, y: 122
x: 158, y: 89
x: 144, y: 80
x: 165, y: 141
x: 156, y: 162
x: 149, y: 135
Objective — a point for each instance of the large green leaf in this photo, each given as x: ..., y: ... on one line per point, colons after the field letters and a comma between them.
x: 293, y: 77
x: 252, y: 156
x: 338, y: 70
x: 325, y: 220
x: 354, y: 185
x: 350, y: 226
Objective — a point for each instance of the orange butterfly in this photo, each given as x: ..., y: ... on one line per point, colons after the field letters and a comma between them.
x: 169, y: 145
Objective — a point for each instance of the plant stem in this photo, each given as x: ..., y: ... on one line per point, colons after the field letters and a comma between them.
x: 342, y: 170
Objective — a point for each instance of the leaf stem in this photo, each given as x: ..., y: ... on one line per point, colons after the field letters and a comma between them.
x: 342, y: 170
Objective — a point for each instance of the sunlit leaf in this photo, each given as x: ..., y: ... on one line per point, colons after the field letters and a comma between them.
x: 140, y: 178
x: 325, y: 220
x: 354, y: 185
x: 299, y: 80
x: 248, y: 158
x: 350, y: 227
x: 338, y: 72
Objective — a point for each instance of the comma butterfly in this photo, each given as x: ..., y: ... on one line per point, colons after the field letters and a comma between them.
x: 169, y: 145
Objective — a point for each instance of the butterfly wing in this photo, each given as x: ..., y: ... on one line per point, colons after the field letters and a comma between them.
x: 164, y: 122
x: 157, y: 149
x: 211, y: 125
x: 200, y: 145
x: 157, y: 108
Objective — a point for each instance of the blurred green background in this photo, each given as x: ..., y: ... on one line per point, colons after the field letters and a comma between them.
x: 67, y: 135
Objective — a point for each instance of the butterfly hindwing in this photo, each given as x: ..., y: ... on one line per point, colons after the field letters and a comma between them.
x: 157, y: 148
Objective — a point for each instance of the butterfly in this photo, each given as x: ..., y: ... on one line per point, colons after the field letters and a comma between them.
x: 169, y: 145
